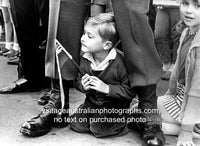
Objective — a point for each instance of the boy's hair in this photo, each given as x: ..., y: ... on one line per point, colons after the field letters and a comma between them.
x: 106, y: 26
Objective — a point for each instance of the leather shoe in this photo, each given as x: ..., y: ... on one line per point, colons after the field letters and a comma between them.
x: 44, y: 99
x: 151, y: 134
x: 3, y: 50
x: 19, y: 85
x: 13, y: 62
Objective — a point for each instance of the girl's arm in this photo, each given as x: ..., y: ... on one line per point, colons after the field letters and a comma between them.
x: 191, y: 109
x: 194, y: 73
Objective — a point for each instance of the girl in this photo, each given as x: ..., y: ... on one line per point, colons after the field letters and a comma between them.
x: 180, y: 106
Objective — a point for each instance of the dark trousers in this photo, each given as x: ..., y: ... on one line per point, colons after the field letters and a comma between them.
x: 55, y: 98
x: 31, y: 21
x: 166, y: 36
x: 95, y: 122
x: 141, y: 57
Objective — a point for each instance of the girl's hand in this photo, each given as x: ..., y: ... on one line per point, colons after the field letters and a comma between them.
x: 185, y: 139
x: 85, y: 81
x: 98, y: 85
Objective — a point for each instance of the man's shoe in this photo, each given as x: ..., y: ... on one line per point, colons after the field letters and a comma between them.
x: 44, y: 99
x: 37, y: 126
x: 19, y: 85
x: 13, y: 62
x: 151, y: 134
x: 10, y: 52
x: 3, y: 50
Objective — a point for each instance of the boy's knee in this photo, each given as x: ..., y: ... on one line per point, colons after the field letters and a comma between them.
x: 98, y: 132
x: 79, y: 127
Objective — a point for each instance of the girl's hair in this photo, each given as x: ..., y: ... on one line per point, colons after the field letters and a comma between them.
x: 105, y: 24
x: 180, y: 26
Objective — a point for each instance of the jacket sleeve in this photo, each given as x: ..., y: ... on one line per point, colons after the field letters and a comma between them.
x: 195, y: 80
x: 122, y: 90
x: 77, y: 81
x: 174, y: 75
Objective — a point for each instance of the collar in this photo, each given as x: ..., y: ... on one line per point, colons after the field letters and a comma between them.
x: 111, y: 55
x: 196, y: 40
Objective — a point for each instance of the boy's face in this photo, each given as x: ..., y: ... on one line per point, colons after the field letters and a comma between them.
x: 190, y: 13
x: 91, y: 41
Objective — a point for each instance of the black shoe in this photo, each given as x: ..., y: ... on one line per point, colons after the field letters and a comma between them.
x: 37, y: 126
x: 19, y: 85
x: 13, y: 62
x: 153, y: 135
x: 3, y: 50
x: 44, y: 99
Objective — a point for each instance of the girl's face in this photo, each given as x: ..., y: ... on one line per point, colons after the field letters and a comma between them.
x: 190, y: 13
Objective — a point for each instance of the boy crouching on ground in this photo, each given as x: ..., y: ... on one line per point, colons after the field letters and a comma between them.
x: 105, y: 82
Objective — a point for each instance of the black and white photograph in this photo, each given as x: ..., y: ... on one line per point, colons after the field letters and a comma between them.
x: 100, y: 72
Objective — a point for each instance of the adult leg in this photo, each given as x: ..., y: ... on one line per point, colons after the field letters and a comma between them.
x: 67, y: 16
x: 174, y: 35
x: 8, y: 28
x: 142, y: 60
x: 27, y: 30
x: 162, y: 32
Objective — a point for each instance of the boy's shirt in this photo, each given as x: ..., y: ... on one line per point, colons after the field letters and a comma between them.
x: 113, y: 73
x: 112, y: 55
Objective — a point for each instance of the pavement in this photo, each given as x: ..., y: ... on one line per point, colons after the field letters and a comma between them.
x: 18, y: 108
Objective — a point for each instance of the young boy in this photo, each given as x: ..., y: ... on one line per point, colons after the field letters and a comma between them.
x: 105, y: 83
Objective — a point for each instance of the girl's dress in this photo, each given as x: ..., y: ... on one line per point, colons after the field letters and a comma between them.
x: 173, y: 102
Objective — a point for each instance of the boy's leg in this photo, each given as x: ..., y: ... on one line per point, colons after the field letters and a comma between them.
x: 109, y: 123
x: 80, y: 120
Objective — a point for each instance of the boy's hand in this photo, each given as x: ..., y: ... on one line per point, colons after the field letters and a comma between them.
x: 85, y: 81
x: 98, y: 85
